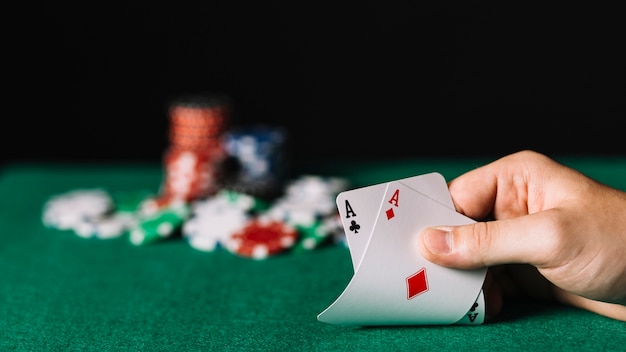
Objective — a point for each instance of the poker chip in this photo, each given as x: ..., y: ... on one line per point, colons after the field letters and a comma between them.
x: 215, y: 218
x: 307, y: 205
x: 258, y: 159
x: 207, y: 232
x: 191, y: 175
x: 260, y: 238
x: 335, y: 227
x: 301, y: 211
x: 327, y: 230
x: 116, y: 222
x: 159, y: 226
x: 192, y: 160
x: 70, y: 210
x: 106, y: 227
x: 312, y: 237
x: 307, y: 200
x: 315, y: 186
x: 198, y: 120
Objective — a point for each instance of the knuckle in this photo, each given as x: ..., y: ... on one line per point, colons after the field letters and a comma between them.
x: 483, y: 240
x: 477, y: 244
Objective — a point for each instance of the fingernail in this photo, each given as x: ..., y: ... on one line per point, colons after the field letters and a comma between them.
x: 438, y: 240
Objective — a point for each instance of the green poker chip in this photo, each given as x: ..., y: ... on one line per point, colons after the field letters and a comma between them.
x: 244, y: 201
x: 159, y: 226
x: 312, y: 236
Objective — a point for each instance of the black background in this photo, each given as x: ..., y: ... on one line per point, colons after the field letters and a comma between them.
x: 373, y: 79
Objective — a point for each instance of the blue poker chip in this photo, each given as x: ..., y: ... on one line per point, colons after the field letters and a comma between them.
x: 258, y: 154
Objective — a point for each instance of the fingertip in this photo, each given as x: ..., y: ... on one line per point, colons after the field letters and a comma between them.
x: 446, y: 246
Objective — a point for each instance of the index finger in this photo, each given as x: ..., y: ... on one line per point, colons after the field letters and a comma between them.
x: 498, y: 189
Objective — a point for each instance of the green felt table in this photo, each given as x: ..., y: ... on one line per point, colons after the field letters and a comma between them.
x: 62, y: 292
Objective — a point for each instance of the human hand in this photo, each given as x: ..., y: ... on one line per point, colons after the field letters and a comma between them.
x: 555, y: 234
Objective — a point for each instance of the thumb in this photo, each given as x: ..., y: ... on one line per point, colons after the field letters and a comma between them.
x: 483, y: 244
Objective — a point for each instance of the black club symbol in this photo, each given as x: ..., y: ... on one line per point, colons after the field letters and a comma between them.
x: 354, y: 226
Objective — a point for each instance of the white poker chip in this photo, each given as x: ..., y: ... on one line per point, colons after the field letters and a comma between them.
x: 307, y: 199
x: 315, y: 186
x: 302, y: 211
x: 69, y: 210
x: 214, y: 219
x: 106, y: 227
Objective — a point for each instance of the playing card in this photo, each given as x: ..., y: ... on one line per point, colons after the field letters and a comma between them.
x: 476, y: 314
x: 393, y: 284
x: 359, y: 207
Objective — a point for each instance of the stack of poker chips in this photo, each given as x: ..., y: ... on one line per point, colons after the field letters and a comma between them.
x: 260, y: 160
x: 192, y: 165
x: 195, y: 153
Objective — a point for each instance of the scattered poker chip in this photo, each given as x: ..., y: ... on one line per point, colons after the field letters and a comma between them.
x: 242, y: 200
x: 315, y: 186
x: 301, y: 212
x: 207, y: 232
x: 106, y: 227
x: 213, y: 219
x: 313, y: 236
x: 70, y: 210
x: 118, y: 221
x: 261, y: 238
x: 159, y: 226
x: 307, y: 200
x: 326, y: 230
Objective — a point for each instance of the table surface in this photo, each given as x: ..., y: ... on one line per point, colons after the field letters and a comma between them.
x: 63, y: 292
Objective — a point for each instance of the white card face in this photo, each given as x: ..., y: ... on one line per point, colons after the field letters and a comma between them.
x: 359, y: 207
x: 393, y: 284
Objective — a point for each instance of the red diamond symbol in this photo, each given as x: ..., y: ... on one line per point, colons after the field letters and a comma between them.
x: 417, y: 283
x: 390, y: 213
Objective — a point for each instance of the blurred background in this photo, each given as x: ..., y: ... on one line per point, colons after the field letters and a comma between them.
x: 377, y: 79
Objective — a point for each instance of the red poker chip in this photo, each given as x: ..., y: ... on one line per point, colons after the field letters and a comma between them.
x: 195, y: 144
x: 200, y: 133
x: 201, y: 118
x: 191, y: 175
x: 260, y: 239
x: 198, y: 122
